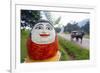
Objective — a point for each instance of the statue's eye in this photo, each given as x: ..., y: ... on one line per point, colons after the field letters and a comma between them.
x: 39, y: 27
x: 48, y: 28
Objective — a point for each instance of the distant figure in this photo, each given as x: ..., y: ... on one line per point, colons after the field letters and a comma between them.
x: 77, y: 35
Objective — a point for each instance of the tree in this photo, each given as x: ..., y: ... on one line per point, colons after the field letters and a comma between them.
x: 29, y: 17
x: 57, y: 29
x: 56, y: 22
x: 51, y: 19
x: 71, y: 27
x: 86, y: 27
x: 68, y: 27
x: 48, y: 16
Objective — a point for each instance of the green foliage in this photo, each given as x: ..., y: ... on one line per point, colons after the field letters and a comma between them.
x: 71, y: 27
x: 30, y: 17
x: 57, y: 21
x: 57, y: 29
x: 51, y: 19
x: 64, y: 54
x: 24, y: 37
x: 48, y: 16
x: 75, y: 51
x: 86, y: 27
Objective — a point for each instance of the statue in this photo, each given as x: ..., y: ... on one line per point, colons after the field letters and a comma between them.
x: 42, y: 45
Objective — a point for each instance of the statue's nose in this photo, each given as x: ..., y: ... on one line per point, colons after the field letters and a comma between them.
x: 43, y: 32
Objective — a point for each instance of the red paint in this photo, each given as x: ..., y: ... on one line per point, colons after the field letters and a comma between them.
x: 44, y: 35
x: 41, y: 51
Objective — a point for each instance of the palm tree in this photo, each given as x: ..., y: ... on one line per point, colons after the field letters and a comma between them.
x: 50, y: 18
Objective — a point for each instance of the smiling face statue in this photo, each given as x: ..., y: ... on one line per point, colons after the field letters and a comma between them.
x: 43, y: 42
x: 43, y: 33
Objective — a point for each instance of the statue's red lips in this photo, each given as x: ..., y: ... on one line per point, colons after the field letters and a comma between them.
x: 44, y: 35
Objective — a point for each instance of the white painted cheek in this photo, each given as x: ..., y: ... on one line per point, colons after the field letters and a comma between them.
x: 35, y: 36
x: 52, y: 35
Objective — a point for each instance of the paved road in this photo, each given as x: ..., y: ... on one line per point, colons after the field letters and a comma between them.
x: 85, y: 42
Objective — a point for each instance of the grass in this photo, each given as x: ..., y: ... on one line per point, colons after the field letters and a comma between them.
x: 24, y: 37
x: 73, y: 50
x: 69, y: 50
x: 64, y: 54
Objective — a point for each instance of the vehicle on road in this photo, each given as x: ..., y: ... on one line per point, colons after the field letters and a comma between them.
x: 77, y: 35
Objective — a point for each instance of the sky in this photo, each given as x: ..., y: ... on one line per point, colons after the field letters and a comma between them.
x: 67, y: 17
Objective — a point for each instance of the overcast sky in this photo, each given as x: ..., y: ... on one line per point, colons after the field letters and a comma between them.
x: 68, y: 17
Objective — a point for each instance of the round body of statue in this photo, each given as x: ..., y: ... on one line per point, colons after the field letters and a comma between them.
x: 42, y: 43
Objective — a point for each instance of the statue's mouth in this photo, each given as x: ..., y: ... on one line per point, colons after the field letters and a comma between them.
x: 44, y: 35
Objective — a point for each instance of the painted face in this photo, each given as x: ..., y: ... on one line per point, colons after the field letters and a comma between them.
x: 43, y: 33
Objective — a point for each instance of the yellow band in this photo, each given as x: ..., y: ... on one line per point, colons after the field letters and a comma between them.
x: 54, y: 58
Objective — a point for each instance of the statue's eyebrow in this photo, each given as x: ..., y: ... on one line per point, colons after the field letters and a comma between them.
x: 49, y: 25
x: 39, y: 24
